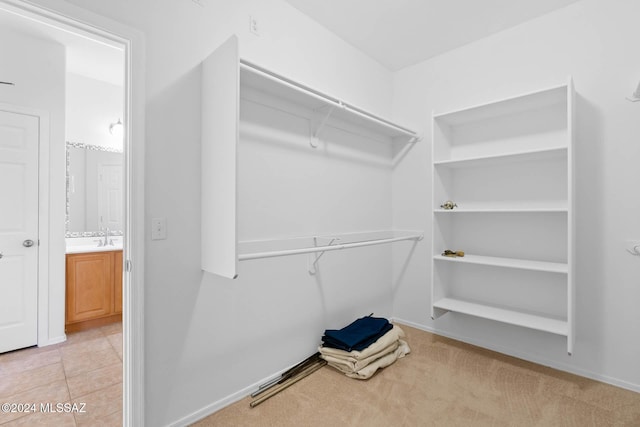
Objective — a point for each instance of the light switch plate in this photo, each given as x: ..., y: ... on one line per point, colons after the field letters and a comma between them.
x: 253, y: 26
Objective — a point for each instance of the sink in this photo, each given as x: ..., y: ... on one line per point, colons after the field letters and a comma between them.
x: 78, y: 245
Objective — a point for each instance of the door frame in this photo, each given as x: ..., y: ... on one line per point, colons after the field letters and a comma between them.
x: 61, y: 14
x: 43, y: 216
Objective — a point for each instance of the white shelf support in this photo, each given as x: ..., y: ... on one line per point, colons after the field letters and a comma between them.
x: 635, y: 96
x: 315, y: 257
x: 315, y: 135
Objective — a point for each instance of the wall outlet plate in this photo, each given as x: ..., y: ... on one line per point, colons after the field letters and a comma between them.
x: 158, y: 228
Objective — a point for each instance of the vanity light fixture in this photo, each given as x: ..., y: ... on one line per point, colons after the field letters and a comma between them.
x: 114, y: 126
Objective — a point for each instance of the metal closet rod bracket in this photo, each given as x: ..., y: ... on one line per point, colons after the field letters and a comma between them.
x: 315, y: 135
x: 315, y: 257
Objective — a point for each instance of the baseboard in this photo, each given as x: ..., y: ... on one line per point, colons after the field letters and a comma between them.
x: 93, y: 323
x: 216, y: 406
x: 54, y: 340
x: 526, y: 356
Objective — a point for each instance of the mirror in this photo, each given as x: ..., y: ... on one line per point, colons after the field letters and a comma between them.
x: 94, y: 190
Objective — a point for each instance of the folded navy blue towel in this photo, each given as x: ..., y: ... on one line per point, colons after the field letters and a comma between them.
x: 358, y: 335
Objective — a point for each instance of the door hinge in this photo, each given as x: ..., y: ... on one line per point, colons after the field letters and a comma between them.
x: 128, y: 266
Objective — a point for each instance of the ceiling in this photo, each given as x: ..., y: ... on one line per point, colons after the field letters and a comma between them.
x: 399, y: 33
x: 100, y: 60
x: 396, y: 33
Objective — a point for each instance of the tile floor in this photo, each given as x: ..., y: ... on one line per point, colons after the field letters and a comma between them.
x: 85, y: 369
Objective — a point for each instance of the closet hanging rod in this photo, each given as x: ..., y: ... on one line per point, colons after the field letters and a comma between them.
x: 325, y: 98
x: 380, y: 121
x: 271, y: 254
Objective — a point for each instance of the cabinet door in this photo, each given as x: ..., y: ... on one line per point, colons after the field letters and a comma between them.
x: 89, y: 286
x: 117, y: 282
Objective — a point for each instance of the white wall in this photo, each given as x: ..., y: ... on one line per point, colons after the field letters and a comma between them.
x: 207, y: 338
x: 595, y: 41
x: 37, y: 68
x: 92, y: 105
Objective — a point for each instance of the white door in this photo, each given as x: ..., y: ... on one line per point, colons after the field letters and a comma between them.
x: 110, y: 196
x: 19, y: 140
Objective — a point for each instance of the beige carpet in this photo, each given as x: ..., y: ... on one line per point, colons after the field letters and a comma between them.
x: 441, y: 383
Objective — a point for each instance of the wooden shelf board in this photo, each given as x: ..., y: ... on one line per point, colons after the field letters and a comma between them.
x: 522, y: 264
x: 532, y: 321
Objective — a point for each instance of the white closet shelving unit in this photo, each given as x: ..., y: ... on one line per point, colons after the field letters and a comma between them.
x: 225, y: 77
x: 508, y: 166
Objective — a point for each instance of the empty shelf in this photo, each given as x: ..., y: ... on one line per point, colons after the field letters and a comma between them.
x: 271, y: 83
x: 522, y: 264
x: 502, y: 158
x: 506, y: 107
x: 532, y: 321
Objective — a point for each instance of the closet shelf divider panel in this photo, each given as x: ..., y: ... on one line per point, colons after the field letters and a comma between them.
x: 219, y: 162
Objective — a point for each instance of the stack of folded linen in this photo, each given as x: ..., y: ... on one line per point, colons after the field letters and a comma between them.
x: 361, y: 348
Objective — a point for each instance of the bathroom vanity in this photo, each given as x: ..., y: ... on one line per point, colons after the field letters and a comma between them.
x: 94, y: 287
x: 93, y: 236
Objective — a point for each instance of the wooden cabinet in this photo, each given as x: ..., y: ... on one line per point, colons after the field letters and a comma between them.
x: 93, y: 290
x: 507, y: 165
x: 117, y: 282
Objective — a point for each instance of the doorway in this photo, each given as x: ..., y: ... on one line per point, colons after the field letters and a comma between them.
x: 20, y: 139
x: 74, y: 22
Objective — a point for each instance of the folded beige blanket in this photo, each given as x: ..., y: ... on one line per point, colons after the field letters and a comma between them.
x: 376, y: 348
x: 382, y: 362
x: 351, y: 364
